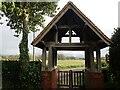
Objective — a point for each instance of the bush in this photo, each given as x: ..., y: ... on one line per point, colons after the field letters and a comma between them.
x: 12, y: 78
x: 10, y: 74
x: 32, y: 78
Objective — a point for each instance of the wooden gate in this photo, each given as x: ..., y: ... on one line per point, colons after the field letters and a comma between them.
x: 70, y: 79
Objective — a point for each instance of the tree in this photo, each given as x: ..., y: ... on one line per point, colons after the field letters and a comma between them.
x: 114, y: 52
x: 23, y: 17
x: 61, y: 57
x: 0, y: 15
x: 0, y: 18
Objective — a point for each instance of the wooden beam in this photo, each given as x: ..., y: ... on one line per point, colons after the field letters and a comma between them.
x: 98, y: 59
x: 70, y: 35
x: 92, y: 63
x: 87, y: 58
x: 43, y: 59
x: 55, y: 57
x: 71, y: 45
x: 50, y: 59
x: 83, y: 33
x: 68, y: 26
x: 67, y: 45
x: 56, y: 35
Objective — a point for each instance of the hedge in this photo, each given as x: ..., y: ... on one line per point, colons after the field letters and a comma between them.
x: 11, y: 75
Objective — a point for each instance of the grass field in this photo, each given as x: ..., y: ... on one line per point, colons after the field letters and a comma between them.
x: 65, y: 64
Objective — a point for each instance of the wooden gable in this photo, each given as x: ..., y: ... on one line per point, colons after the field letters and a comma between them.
x: 71, y: 17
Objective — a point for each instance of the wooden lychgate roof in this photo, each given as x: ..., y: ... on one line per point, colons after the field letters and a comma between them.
x: 71, y: 17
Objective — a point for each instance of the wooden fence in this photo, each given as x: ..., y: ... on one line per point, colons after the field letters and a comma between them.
x: 71, y: 79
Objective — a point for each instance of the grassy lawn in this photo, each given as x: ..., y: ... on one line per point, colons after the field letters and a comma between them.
x: 65, y: 64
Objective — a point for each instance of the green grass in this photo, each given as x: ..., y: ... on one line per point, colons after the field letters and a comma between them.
x: 65, y: 64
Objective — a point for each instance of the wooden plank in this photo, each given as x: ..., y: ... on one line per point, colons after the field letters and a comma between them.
x: 77, y: 78
x: 83, y: 78
x: 61, y: 78
x: 80, y: 76
x: 67, y: 78
x: 64, y: 77
x: 70, y: 79
x: 58, y: 77
x: 74, y: 79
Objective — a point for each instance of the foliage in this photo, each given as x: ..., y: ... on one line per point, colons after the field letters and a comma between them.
x: 104, y: 64
x: 115, y: 51
x: 114, y: 62
x: 10, y: 75
x: 61, y: 57
x: 32, y: 78
x: 34, y: 11
x: 23, y: 17
x: 1, y: 17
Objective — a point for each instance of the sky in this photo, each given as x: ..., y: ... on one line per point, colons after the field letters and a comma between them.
x: 103, y: 13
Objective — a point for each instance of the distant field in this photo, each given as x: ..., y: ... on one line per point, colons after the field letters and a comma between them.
x: 65, y: 64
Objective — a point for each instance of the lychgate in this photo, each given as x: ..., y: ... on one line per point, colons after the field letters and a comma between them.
x: 70, y: 22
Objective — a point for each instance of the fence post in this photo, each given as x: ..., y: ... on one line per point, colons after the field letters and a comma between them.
x: 70, y: 79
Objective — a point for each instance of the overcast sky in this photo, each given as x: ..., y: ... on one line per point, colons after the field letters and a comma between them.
x: 103, y: 13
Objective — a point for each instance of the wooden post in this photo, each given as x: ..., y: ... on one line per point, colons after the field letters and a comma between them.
x: 92, y: 64
x: 56, y: 35
x: 50, y: 59
x: 83, y: 37
x: 43, y: 59
x: 55, y: 57
x: 98, y: 60
x: 86, y: 59
x: 70, y: 80
x: 70, y: 35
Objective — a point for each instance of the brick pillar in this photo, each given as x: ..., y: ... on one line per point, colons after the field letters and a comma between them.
x: 49, y: 79
x: 94, y: 80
